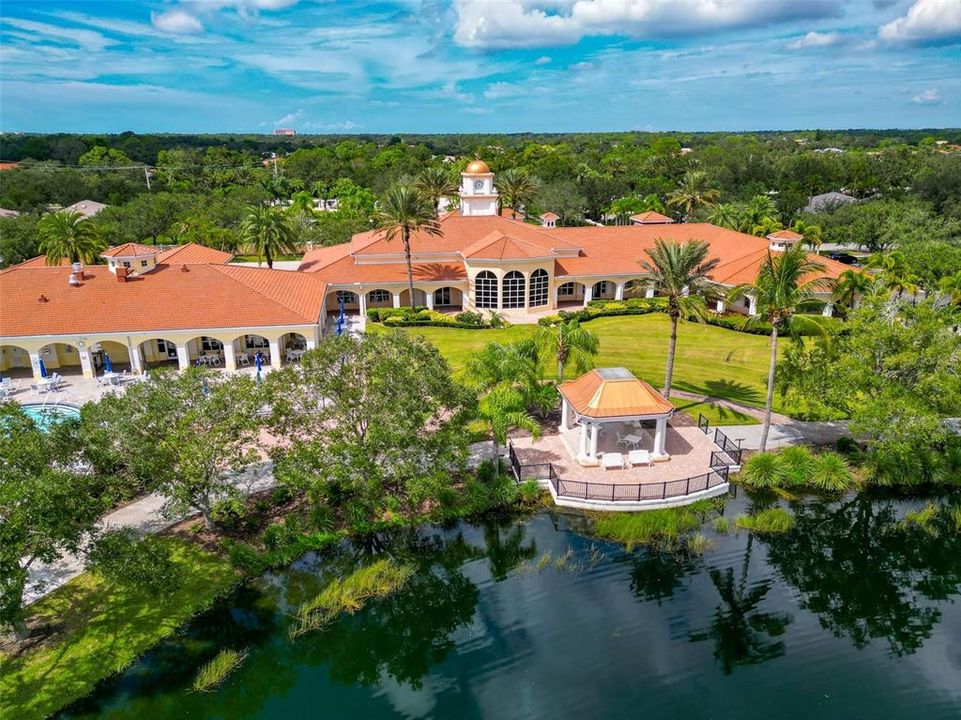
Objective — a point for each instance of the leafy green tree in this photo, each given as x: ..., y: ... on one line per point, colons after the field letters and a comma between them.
x: 680, y: 272
x: 402, y: 211
x: 563, y: 198
x: 811, y: 233
x: 100, y: 156
x: 693, y: 193
x: 784, y: 283
x: 124, y: 559
x: 269, y: 232
x: 69, y: 235
x: 434, y: 183
x: 568, y: 342
x: 950, y: 287
x: 725, y: 215
x: 370, y: 423
x: 46, y: 509
x: 302, y: 207
x: 504, y: 408
x: 515, y: 189
x: 18, y: 239
x: 894, y: 273
x: 187, y: 433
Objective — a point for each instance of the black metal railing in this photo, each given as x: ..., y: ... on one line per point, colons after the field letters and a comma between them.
x: 732, y: 449
x: 702, y: 424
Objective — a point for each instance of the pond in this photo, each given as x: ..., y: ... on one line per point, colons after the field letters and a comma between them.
x: 852, y: 614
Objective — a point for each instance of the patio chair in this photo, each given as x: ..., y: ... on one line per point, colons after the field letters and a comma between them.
x: 612, y: 461
x: 621, y: 440
x: 243, y: 359
x: 638, y: 457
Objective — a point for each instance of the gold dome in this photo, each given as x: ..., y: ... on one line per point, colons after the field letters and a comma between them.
x: 477, y: 167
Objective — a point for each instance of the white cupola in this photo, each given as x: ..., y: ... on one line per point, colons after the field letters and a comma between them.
x: 477, y: 193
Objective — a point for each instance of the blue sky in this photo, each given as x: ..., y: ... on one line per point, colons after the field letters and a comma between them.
x: 475, y: 65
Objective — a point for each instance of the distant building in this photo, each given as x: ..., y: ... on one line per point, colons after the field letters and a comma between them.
x: 87, y: 208
x: 650, y: 218
x: 285, y: 131
x: 8, y: 165
x: 832, y: 150
x: 826, y: 202
x: 8, y: 213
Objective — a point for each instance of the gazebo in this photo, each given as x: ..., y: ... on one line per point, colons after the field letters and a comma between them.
x: 611, y: 401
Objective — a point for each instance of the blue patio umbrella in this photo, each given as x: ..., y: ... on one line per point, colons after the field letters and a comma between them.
x: 259, y: 363
x: 341, y: 319
x: 43, y: 369
x: 107, y: 365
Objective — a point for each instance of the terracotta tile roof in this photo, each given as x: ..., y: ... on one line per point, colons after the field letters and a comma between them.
x: 346, y: 270
x: 785, y: 235
x: 40, y: 261
x: 193, y: 253
x: 744, y: 269
x: 498, y: 246
x: 129, y: 250
x: 320, y: 257
x: 651, y: 218
x: 550, y: 216
x: 613, y: 392
x: 171, y: 297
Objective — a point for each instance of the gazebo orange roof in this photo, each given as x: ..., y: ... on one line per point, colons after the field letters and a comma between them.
x: 613, y: 393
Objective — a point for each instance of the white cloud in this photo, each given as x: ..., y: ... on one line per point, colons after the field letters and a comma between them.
x: 929, y: 97
x: 176, y: 21
x: 290, y: 118
x: 815, y: 39
x: 542, y: 60
x: 87, y: 39
x: 925, y: 21
x: 545, y: 23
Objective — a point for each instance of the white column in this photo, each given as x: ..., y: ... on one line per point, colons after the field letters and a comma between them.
x: 310, y: 343
x: 619, y: 291
x: 430, y: 299
x: 595, y: 431
x: 362, y: 299
x: 85, y: 364
x: 649, y: 293
x: 583, y: 449
x: 828, y: 310
x: 395, y: 296
x: 136, y: 358
x: 183, y: 356
x: 230, y: 355
x: 275, y: 359
x: 751, y: 305
x: 660, y: 437
x: 588, y: 294
x: 35, y: 363
x: 565, y: 415
x: 720, y: 306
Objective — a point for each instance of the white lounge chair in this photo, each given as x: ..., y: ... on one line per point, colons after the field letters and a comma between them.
x: 621, y: 440
x: 612, y: 461
x: 638, y: 457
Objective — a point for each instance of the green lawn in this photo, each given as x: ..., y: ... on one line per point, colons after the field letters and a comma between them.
x: 101, y: 630
x: 710, y: 360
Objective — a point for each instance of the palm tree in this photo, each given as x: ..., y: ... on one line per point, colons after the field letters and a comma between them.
x: 401, y: 211
x: 785, y: 281
x: 895, y: 274
x: 503, y: 409
x: 680, y: 272
x: 693, y: 193
x: 568, y: 342
x: 69, y: 235
x: 851, y: 285
x: 766, y: 226
x: 497, y: 363
x: 951, y: 287
x: 434, y: 183
x: 269, y: 232
x: 759, y: 210
x: 725, y: 215
x: 811, y: 233
x: 515, y: 188
x: 302, y: 206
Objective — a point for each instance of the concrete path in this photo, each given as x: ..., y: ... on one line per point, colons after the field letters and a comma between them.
x: 792, y: 432
x: 730, y: 405
x: 145, y: 516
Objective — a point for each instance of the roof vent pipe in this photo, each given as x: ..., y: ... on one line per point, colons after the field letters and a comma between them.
x: 74, y: 280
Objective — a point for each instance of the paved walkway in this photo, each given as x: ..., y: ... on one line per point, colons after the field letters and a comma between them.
x: 792, y: 432
x: 753, y: 412
x: 145, y: 517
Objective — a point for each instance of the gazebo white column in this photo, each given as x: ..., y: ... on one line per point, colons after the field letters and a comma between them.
x: 583, y: 448
x: 595, y: 431
x: 660, y: 438
x: 565, y: 414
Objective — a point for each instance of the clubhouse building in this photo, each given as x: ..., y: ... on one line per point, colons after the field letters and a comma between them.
x: 186, y: 305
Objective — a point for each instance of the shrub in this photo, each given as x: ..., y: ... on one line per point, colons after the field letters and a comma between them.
x: 831, y: 473
x: 847, y: 446
x: 216, y: 671
x: 281, y: 495
x: 771, y: 520
x: 229, y: 513
x: 469, y: 318
x: 763, y: 470
x: 798, y: 464
x: 121, y: 558
x: 245, y: 557
x: 530, y: 492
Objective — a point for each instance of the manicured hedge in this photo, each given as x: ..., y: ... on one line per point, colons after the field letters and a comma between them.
x: 423, y: 317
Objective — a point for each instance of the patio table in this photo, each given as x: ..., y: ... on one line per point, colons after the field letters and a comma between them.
x: 111, y: 378
x: 633, y: 439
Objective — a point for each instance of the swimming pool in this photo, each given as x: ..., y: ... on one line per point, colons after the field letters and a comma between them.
x: 45, y: 415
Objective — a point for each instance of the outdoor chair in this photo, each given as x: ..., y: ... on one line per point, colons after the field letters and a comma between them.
x: 638, y: 457
x: 621, y: 440
x: 243, y: 359
x: 612, y: 461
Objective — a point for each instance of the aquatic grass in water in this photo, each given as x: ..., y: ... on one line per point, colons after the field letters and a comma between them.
x: 213, y: 673
x: 722, y: 526
x: 350, y: 594
x: 831, y: 473
x: 653, y: 526
x: 923, y: 518
x: 797, y: 467
x: 771, y: 520
x: 699, y: 543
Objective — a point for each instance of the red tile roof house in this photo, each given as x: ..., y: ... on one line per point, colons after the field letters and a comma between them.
x: 184, y: 304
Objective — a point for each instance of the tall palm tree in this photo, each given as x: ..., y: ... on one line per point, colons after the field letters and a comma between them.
x: 514, y: 189
x: 680, y: 272
x: 401, y: 211
x: 766, y: 226
x: 503, y: 409
x: 725, y: 215
x: 785, y: 281
x: 302, y: 206
x: 69, y: 235
x: 693, y: 193
x: 759, y: 210
x: 895, y: 273
x: 434, y: 183
x: 269, y: 232
x: 851, y: 285
x: 811, y: 233
x: 568, y: 342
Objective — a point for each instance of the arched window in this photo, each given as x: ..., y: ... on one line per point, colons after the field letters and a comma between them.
x: 485, y: 290
x: 538, y: 289
x: 513, y: 289
x: 602, y: 289
x: 566, y: 290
